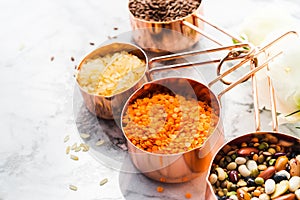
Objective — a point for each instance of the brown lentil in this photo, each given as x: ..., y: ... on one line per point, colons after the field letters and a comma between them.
x: 162, y: 10
x: 163, y: 123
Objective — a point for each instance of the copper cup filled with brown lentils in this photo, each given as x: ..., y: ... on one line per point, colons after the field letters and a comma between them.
x: 165, y: 25
x: 256, y: 166
x: 173, y: 129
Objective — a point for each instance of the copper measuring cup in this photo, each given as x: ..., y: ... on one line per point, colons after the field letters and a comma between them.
x: 181, y: 167
x: 283, y: 138
x: 175, y: 35
x: 110, y: 107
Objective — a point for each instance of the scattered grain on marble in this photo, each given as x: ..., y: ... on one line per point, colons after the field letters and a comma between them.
x: 67, y: 138
x: 74, y: 146
x: 92, y: 43
x: 85, y: 147
x: 73, y: 157
x: 103, y: 182
x: 99, y: 142
x: 68, y: 149
x: 77, y: 149
x: 85, y: 135
x: 73, y: 187
x: 72, y: 59
x: 52, y: 58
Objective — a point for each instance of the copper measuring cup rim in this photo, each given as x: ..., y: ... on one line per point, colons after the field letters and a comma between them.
x: 243, y: 137
x: 280, y: 135
x: 91, y: 54
x: 214, y: 98
x: 164, y: 22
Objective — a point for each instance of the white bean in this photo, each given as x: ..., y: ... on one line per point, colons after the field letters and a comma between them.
x: 270, y: 186
x: 264, y: 197
x: 251, y: 165
x: 297, y: 193
x: 284, y: 172
x: 231, y: 166
x: 240, y: 160
x: 244, y: 171
x: 213, y: 178
x: 294, y: 183
x: 221, y: 174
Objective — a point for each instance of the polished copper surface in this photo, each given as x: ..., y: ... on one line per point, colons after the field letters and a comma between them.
x: 110, y: 107
x: 247, y: 137
x: 210, y: 195
x: 176, y: 35
x: 171, y: 36
x: 180, y: 167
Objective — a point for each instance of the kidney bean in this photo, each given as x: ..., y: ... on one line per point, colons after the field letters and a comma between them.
x: 233, y: 176
x: 268, y: 173
x: 246, y: 151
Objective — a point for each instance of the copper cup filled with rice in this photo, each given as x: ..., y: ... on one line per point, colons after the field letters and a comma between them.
x: 109, y: 75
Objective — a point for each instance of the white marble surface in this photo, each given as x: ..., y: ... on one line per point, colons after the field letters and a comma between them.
x: 37, y: 100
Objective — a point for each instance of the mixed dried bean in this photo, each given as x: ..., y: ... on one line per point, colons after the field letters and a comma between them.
x: 162, y: 10
x: 264, y: 168
x: 165, y: 123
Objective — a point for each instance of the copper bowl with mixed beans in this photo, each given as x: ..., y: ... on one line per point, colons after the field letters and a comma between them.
x: 256, y: 166
x: 173, y: 128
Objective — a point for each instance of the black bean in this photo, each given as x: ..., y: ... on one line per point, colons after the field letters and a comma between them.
x: 250, y: 181
x: 279, y: 177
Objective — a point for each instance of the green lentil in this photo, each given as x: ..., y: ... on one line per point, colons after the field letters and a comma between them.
x: 263, y: 146
x: 259, y: 180
x: 272, y: 162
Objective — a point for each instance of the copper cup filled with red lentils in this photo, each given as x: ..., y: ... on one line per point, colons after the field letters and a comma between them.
x: 172, y: 125
x: 173, y: 129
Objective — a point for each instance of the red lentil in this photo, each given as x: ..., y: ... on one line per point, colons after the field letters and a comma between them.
x: 188, y: 195
x: 159, y: 189
x: 163, y: 123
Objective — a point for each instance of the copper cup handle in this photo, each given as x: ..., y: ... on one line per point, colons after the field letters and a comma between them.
x: 254, y: 58
x: 245, y: 55
x: 208, y: 36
